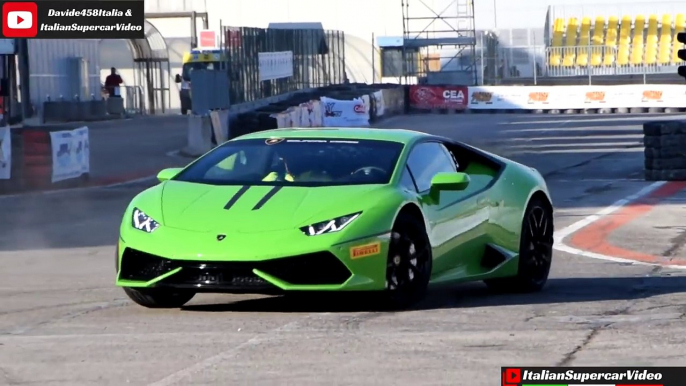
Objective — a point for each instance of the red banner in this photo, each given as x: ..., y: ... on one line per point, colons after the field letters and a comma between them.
x: 439, y: 97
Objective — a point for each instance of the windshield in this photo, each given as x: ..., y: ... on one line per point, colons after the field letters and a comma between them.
x: 296, y: 162
x: 190, y: 67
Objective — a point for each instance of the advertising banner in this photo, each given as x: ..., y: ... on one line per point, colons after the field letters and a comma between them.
x: 380, y: 105
x: 576, y: 97
x: 70, y: 153
x: 275, y: 65
x: 341, y: 113
x: 438, y: 97
x: 5, y: 153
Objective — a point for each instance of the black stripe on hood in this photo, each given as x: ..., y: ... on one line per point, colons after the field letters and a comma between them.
x: 236, y: 196
x: 267, y: 197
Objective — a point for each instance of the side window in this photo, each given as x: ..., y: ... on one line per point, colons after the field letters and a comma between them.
x: 427, y: 160
x: 406, y: 180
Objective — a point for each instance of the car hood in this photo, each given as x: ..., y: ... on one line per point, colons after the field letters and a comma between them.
x: 206, y: 208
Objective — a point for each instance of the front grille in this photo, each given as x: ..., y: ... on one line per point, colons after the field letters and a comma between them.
x: 215, y: 276
x: 319, y: 268
x: 311, y: 269
x: 141, y: 266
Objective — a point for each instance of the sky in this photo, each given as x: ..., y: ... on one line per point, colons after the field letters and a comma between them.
x: 361, y: 17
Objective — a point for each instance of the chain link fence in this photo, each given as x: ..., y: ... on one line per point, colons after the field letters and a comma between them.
x: 522, y: 57
x: 318, y: 60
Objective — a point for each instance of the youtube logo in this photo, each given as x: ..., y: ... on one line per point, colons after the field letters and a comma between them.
x: 512, y: 377
x: 19, y: 20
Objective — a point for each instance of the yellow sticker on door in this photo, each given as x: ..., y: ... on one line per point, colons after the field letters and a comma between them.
x: 365, y: 250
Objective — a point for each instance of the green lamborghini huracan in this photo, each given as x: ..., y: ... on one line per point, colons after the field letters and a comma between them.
x: 351, y: 209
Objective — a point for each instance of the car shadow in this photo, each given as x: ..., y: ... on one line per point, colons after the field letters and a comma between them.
x: 474, y: 295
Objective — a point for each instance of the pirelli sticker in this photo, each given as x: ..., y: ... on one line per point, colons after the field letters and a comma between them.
x: 365, y: 250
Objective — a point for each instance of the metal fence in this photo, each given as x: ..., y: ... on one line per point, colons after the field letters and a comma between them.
x: 318, y: 60
x: 527, y: 64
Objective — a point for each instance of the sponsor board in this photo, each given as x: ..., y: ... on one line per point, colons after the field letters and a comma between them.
x: 344, y: 113
x: 439, y: 97
x: 275, y: 65
x: 576, y: 97
x: 70, y: 154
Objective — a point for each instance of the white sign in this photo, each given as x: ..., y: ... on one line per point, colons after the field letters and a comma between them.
x: 207, y: 39
x: 275, y: 65
x: 340, y: 113
x: 70, y: 153
x: 380, y: 105
x: 5, y: 153
x: 576, y: 97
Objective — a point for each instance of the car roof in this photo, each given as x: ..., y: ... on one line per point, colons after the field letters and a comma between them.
x: 394, y: 135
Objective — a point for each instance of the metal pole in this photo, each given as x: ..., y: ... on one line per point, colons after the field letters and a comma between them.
x: 495, y: 15
x: 373, y: 60
x: 194, y: 30
x: 588, y: 64
x: 23, y: 53
x: 535, y: 60
x: 482, y: 61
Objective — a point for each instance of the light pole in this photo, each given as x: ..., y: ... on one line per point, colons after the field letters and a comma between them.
x: 495, y: 15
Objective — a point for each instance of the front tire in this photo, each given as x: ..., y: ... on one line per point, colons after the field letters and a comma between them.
x: 158, y: 298
x: 535, y: 252
x: 409, y: 264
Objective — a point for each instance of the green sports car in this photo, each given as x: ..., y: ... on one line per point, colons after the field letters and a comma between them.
x: 384, y: 211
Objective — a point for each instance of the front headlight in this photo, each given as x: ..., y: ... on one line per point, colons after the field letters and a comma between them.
x: 143, y: 222
x: 330, y: 226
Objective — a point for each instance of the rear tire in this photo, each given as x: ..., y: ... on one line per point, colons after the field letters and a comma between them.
x: 158, y: 298
x: 535, y: 252
x: 409, y: 264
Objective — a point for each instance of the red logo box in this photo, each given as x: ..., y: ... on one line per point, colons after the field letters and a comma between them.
x: 19, y: 20
x: 511, y: 377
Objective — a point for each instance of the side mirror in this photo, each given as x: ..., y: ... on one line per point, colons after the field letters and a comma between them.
x: 450, y: 181
x: 178, y: 79
x: 168, y: 174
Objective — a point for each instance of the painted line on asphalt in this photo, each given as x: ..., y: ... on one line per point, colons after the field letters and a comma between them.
x: 589, y: 235
x: 113, y: 184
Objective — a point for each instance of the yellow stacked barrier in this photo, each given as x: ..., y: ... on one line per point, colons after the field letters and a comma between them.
x: 665, y: 40
x: 558, y: 34
x: 584, y: 42
x: 570, y: 42
x: 624, y: 39
x: 651, y: 41
x: 679, y: 26
x: 611, y: 41
x: 597, y: 41
x: 637, y: 44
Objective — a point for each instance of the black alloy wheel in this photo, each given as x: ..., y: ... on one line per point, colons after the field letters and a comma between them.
x: 535, y: 252
x: 408, y: 268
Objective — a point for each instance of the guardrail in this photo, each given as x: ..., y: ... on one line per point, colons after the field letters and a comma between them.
x: 134, y: 100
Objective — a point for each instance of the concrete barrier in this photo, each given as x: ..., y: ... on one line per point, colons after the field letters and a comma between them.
x: 665, y: 150
x: 63, y: 110
x: 300, y: 109
x: 34, y: 165
x: 199, y: 135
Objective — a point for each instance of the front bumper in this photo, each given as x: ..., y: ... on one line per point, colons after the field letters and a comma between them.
x: 326, y: 269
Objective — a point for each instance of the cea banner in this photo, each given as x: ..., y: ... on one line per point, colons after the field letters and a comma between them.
x: 343, y: 113
x: 70, y: 154
x: 5, y: 153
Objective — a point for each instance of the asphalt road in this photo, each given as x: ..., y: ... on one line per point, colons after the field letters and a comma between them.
x: 62, y: 321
